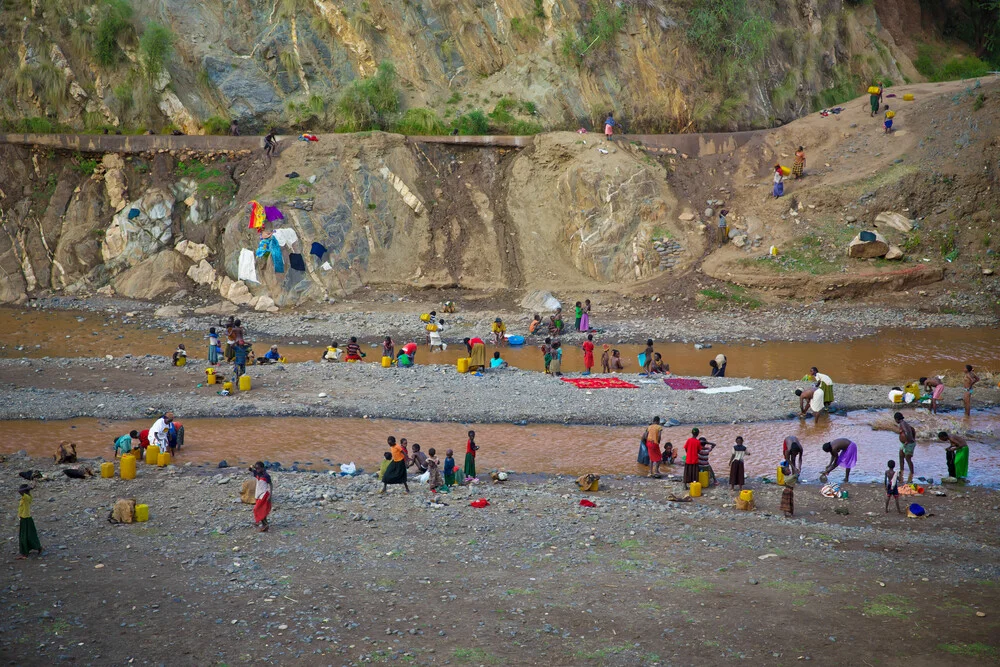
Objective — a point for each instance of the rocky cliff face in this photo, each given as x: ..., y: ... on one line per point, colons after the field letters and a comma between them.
x: 364, y: 210
x: 661, y: 64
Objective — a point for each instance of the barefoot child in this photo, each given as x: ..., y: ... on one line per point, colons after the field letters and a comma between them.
x: 395, y: 472
x: 788, y: 494
x: 470, y: 455
x: 449, y: 467
x: 588, y: 354
x: 262, y: 496
x: 969, y: 381
x: 386, y: 460
x: 28, y: 536
x: 213, y: 347
x: 606, y: 359
x: 434, y: 480
x: 892, y: 486
x: 737, y: 473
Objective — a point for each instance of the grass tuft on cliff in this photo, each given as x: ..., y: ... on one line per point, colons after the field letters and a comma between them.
x: 370, y: 103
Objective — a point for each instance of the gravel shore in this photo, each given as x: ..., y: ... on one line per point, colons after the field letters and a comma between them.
x: 133, y: 387
x: 348, y: 577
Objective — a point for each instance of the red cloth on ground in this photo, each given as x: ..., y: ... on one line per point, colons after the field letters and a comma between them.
x: 683, y: 383
x: 600, y: 383
x: 262, y: 507
x: 691, y: 448
x: 588, y: 503
x: 481, y: 503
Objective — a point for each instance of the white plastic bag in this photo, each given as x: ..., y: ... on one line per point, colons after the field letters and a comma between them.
x: 348, y: 468
x: 424, y: 478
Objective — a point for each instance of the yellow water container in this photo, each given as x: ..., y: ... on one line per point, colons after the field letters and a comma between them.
x: 463, y: 364
x: 142, y: 513
x: 386, y: 362
x: 244, y: 383
x: 152, y: 452
x: 107, y: 470
x: 908, y: 97
x: 425, y: 317
x: 163, y: 459
x: 746, y: 496
x: 227, y: 386
x: 210, y: 377
x: 595, y: 485
x: 127, y: 467
x: 695, y: 489
x: 703, y: 478
x: 182, y: 361
x: 781, y: 477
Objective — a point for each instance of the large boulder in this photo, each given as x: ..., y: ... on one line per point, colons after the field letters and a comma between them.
x: 872, y: 245
x: 193, y: 251
x: 895, y: 252
x: 202, y: 273
x: 129, y: 241
x: 892, y: 220
x: 114, y: 180
x: 539, y: 300
x: 160, y: 274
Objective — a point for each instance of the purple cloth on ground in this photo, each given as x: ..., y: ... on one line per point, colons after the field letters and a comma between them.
x: 272, y: 213
x: 849, y: 457
x: 683, y: 383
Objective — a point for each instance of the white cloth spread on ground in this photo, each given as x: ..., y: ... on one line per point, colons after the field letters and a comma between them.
x: 286, y: 236
x: 325, y: 266
x: 725, y: 390
x: 247, y: 268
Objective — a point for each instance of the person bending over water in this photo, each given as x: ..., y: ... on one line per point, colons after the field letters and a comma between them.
x: 843, y: 453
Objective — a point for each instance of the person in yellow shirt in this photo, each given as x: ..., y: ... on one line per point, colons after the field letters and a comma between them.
x: 28, y: 535
x: 499, y: 330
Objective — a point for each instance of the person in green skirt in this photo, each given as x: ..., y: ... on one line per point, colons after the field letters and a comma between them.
x: 470, y: 455
x: 957, y: 453
x: 876, y: 98
x: 28, y: 536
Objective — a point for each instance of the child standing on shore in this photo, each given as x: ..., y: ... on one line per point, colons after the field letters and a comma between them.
x: 27, y: 536
x: 578, y: 315
x: 470, y: 455
x: 585, y: 317
x: 213, y: 347
x: 892, y: 486
x: 434, y: 479
x: 449, y: 468
x: 737, y: 475
x: 386, y: 460
x: 788, y: 494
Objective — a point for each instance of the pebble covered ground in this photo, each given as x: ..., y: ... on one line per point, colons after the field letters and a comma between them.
x: 132, y: 387
x: 349, y: 577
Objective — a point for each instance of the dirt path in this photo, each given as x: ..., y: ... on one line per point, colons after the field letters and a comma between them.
x: 348, y: 577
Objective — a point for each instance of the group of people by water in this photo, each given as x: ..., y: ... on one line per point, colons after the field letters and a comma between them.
x: 439, y: 476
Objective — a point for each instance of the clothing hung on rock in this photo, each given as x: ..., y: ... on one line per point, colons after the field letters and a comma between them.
x: 247, y: 269
x: 296, y: 262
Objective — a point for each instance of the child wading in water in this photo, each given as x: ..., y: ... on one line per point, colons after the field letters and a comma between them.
x: 27, y: 536
x: 892, y: 486
x: 470, y: 455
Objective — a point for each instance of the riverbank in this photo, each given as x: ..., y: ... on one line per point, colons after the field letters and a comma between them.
x: 132, y: 387
x: 348, y: 577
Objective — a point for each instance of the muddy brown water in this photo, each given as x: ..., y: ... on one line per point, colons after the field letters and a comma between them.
x: 892, y: 356
x: 317, y: 443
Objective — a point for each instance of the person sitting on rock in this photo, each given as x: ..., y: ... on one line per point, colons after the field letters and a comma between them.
x: 658, y: 367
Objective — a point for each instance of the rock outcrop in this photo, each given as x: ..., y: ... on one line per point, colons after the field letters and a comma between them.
x: 139, y: 230
x: 156, y: 276
x: 868, y: 245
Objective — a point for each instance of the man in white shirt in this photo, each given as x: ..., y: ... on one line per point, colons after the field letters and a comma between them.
x: 158, y: 431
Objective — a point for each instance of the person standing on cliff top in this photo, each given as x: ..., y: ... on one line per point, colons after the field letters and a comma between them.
x: 609, y: 126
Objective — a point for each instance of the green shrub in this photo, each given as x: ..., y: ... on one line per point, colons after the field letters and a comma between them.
x: 113, y: 26
x: 85, y: 166
x: 420, y: 122
x: 524, y: 28
x: 599, y: 31
x: 367, y: 104
x: 732, y: 34
x: 33, y: 125
x: 935, y: 64
x: 155, y: 45
x: 539, y: 10
x: 472, y: 123
x: 455, y: 98
x: 216, y: 125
